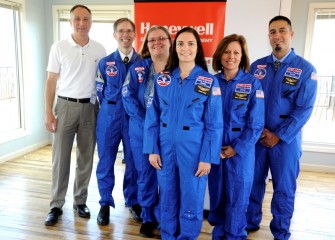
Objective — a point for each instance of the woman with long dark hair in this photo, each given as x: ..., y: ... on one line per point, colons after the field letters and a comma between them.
x: 183, y: 136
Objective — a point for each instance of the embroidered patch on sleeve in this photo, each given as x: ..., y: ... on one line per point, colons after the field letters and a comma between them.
x: 314, y: 76
x: 259, y: 94
x: 216, y: 91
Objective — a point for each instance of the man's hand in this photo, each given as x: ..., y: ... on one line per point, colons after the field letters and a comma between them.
x: 227, y: 152
x: 50, y: 89
x: 50, y: 122
x: 155, y: 161
x: 268, y: 139
x: 203, y: 169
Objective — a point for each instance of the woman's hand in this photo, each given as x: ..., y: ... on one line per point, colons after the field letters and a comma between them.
x: 155, y: 161
x: 203, y: 169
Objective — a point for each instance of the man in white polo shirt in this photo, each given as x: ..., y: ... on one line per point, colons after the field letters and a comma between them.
x: 71, y: 77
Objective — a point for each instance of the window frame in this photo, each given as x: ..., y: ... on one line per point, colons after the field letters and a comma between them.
x: 23, y: 130
x: 99, y: 8
x: 313, y: 7
x: 310, y: 25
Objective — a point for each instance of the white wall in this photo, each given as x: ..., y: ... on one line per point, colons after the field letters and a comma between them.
x: 251, y: 20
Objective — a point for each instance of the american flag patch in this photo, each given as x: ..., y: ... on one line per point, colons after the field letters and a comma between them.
x: 216, y: 91
x: 259, y: 94
x: 314, y: 76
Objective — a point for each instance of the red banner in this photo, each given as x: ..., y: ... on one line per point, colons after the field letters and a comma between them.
x: 208, y: 18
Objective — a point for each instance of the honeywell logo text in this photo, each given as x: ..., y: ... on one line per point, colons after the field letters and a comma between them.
x: 208, y: 29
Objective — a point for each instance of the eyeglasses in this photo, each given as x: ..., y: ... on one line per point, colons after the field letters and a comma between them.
x: 123, y: 31
x: 159, y: 40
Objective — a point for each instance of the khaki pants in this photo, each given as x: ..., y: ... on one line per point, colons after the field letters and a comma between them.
x: 73, y: 120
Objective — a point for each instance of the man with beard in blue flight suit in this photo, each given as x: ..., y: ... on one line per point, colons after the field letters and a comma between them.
x: 113, y: 122
x: 290, y: 91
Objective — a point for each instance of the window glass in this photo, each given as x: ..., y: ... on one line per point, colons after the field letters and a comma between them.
x: 102, y: 27
x: 321, y: 126
x: 10, y: 68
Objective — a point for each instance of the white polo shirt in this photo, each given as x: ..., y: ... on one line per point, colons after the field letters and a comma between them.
x: 76, y: 67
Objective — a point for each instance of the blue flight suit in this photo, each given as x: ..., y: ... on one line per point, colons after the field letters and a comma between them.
x: 289, y: 98
x: 112, y: 127
x: 184, y: 125
x: 133, y: 101
x: 230, y: 182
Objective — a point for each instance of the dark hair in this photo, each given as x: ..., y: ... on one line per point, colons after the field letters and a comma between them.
x: 121, y: 20
x: 199, y: 58
x: 79, y: 6
x: 144, y: 52
x: 245, y: 62
x: 281, y: 18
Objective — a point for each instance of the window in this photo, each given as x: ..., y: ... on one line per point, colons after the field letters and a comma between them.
x: 11, y: 87
x: 320, y: 50
x: 102, y: 28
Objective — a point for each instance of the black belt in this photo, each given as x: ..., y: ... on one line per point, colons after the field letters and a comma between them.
x: 80, y: 100
x: 111, y: 102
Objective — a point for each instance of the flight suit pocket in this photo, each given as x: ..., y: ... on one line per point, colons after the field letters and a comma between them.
x: 194, y: 109
x: 239, y: 108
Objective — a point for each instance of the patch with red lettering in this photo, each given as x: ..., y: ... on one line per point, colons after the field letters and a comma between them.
x: 164, y: 79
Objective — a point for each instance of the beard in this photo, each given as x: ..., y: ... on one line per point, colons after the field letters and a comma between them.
x: 278, y: 48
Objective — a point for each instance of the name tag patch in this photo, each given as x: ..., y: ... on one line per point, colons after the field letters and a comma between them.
x: 290, y: 81
x: 202, y: 90
x: 242, y: 91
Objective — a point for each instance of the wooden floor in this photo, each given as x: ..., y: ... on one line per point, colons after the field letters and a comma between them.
x: 24, y: 204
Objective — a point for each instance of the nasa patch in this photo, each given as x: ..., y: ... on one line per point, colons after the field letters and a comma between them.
x: 164, y: 79
x: 149, y: 102
x: 111, y: 70
x: 140, y: 74
x: 99, y: 87
x: 124, y: 91
x: 260, y: 73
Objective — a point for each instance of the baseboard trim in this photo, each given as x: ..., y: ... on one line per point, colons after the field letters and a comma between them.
x: 23, y: 151
x: 317, y: 168
x: 304, y: 167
